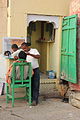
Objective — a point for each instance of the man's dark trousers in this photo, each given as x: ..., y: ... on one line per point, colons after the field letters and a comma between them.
x: 35, y: 84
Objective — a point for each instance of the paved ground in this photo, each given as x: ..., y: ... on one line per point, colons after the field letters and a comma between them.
x: 49, y: 108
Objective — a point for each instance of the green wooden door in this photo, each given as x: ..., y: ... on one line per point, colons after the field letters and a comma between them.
x: 68, y: 49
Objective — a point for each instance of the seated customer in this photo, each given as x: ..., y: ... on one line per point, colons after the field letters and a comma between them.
x: 22, y: 55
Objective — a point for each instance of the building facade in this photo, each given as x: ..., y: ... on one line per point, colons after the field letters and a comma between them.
x: 40, y: 22
x: 3, y: 21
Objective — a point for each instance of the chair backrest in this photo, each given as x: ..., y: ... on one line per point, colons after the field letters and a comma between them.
x: 21, y: 72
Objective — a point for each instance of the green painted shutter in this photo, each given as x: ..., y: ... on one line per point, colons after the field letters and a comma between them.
x: 68, y: 49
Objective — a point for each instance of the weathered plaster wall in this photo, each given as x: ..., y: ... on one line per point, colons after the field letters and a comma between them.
x: 3, y: 21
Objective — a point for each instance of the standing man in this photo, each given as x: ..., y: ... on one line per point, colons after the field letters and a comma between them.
x: 33, y: 56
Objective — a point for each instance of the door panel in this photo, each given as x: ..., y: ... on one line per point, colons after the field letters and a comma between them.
x: 68, y: 49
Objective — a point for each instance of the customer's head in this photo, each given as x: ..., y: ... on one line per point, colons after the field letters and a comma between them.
x: 25, y: 46
x: 14, y: 47
x: 22, y: 55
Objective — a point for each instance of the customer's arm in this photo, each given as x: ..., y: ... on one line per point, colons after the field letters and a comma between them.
x: 8, y: 80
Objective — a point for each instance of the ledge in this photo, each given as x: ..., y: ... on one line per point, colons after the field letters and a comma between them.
x: 44, y: 41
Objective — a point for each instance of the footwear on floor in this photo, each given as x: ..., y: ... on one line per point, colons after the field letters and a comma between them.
x: 65, y: 100
x: 34, y: 103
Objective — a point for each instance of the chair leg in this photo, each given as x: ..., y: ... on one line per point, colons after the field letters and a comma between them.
x: 27, y: 96
x: 12, y: 96
x: 7, y: 92
x: 30, y: 99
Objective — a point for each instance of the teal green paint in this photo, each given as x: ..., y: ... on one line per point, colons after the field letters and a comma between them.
x: 68, y: 49
x: 19, y: 83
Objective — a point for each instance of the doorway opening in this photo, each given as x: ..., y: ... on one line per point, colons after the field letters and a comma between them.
x: 41, y: 35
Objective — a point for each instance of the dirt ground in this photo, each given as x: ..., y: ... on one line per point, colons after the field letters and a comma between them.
x: 50, y: 107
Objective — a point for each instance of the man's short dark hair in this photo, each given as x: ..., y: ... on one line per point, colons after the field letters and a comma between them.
x: 14, y: 46
x: 25, y: 44
x: 22, y: 55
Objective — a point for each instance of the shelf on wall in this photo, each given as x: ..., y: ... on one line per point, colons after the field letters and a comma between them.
x: 44, y: 41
